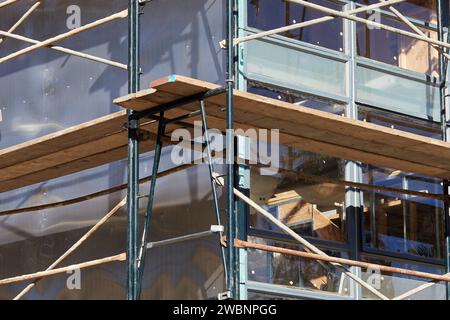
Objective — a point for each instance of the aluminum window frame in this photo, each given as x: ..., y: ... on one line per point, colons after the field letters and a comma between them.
x: 352, y: 60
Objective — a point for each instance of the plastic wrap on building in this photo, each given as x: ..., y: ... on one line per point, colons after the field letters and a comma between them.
x: 46, y: 91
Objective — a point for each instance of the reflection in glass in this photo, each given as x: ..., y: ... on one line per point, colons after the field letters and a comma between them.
x: 294, y: 271
x: 271, y: 14
x: 403, y: 223
x: 395, y: 49
x: 398, y: 222
x: 309, y: 207
x: 424, y: 10
x: 296, y: 98
x: 396, y: 121
x: 393, y: 284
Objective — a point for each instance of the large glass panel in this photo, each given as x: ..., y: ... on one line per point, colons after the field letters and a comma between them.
x: 296, y: 98
x: 424, y: 10
x: 398, y: 222
x: 294, y: 68
x: 395, y: 285
x: 291, y: 271
x: 400, y: 122
x: 385, y: 90
x: 309, y: 206
x: 395, y: 49
x: 271, y: 14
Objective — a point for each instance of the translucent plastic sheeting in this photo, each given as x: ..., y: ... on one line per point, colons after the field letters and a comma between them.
x: 46, y: 91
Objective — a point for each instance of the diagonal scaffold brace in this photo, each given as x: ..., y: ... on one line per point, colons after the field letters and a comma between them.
x: 162, y: 123
x: 306, y: 244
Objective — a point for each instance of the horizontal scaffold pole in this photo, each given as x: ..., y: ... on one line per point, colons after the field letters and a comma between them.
x: 348, y: 262
x: 92, y: 263
x: 120, y: 15
x: 75, y: 246
x: 42, y: 274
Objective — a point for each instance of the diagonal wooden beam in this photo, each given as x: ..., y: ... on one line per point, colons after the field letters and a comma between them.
x: 419, y: 289
x: 22, y: 19
x: 311, y: 22
x: 68, y: 51
x: 6, y: 3
x: 415, y: 28
x: 120, y: 15
x: 370, y: 23
x: 305, y: 243
x: 75, y: 246
x: 47, y: 273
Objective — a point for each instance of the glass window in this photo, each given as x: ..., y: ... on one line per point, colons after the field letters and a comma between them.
x: 310, y: 207
x: 291, y: 271
x: 400, y: 122
x: 397, y: 222
x: 253, y: 295
x: 424, y: 10
x: 271, y: 14
x: 395, y: 49
x: 397, y: 93
x: 296, y: 98
x: 395, y: 285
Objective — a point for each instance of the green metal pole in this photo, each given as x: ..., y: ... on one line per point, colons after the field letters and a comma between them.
x: 230, y: 174
x: 133, y: 151
x: 151, y: 196
x: 213, y: 185
x: 443, y: 21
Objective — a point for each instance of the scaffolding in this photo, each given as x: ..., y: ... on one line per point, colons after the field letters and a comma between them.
x: 174, y: 102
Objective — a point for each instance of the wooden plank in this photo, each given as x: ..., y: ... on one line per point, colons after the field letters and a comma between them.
x: 280, y: 110
x: 104, y: 140
x: 325, y: 228
x: 71, y: 150
x: 338, y: 151
x: 274, y: 114
x: 71, y: 167
x: 85, y: 132
x: 316, y: 130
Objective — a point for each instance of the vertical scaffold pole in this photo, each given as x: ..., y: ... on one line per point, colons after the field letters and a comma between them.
x: 443, y: 22
x: 231, y: 281
x: 133, y: 151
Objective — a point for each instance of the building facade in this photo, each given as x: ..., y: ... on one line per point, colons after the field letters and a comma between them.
x: 338, y: 66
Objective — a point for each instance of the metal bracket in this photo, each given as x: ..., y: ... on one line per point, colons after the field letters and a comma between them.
x: 224, y: 296
x: 217, y: 228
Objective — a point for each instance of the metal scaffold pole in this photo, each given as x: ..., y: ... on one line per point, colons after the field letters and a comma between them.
x: 133, y: 151
x: 230, y: 174
x: 443, y: 22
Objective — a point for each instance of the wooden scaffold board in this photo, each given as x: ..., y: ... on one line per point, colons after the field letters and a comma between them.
x: 306, y: 128
x: 104, y: 140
